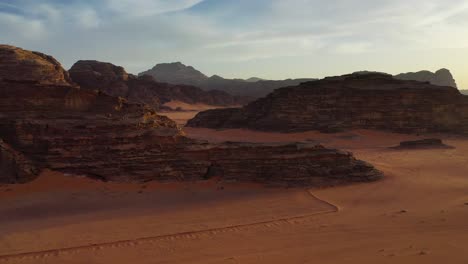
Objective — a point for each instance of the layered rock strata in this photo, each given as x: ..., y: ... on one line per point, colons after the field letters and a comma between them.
x: 359, y: 101
x: 62, y: 127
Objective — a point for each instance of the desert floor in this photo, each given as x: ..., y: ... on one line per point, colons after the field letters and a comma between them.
x: 417, y: 214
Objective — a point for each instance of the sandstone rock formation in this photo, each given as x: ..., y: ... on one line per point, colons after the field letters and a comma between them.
x: 367, y: 101
x: 178, y: 73
x: 115, y: 81
x: 442, y: 77
x: 429, y: 143
x: 30, y: 66
x: 14, y: 166
x: 48, y: 124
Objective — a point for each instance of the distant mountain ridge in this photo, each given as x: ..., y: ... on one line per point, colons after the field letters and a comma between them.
x: 178, y: 73
x: 175, y: 73
x: 115, y: 81
x: 442, y: 77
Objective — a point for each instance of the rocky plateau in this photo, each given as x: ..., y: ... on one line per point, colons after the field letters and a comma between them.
x: 356, y: 101
x: 52, y: 123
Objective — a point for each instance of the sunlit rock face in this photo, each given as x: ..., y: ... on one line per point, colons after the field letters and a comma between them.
x: 48, y: 123
x: 17, y: 64
x: 358, y: 101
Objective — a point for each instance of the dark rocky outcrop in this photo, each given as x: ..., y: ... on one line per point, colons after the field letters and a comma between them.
x: 429, y: 143
x: 47, y: 124
x: 115, y: 81
x: 442, y: 77
x: 366, y: 101
x: 14, y: 166
x: 178, y: 73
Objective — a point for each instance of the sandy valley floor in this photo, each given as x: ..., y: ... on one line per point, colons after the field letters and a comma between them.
x: 417, y: 214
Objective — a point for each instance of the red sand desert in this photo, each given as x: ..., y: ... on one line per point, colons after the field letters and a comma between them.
x: 417, y: 214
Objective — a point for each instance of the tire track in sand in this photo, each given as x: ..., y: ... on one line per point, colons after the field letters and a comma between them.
x: 169, y: 237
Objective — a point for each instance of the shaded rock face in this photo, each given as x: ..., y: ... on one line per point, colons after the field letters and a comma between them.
x: 17, y: 64
x: 369, y: 101
x: 293, y: 165
x: 101, y: 76
x: 86, y: 132
x: 429, y: 143
x: 442, y: 77
x: 14, y: 166
x: 113, y: 80
x: 178, y: 73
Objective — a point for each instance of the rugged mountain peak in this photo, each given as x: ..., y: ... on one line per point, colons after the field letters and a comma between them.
x: 21, y: 65
x: 254, y: 79
x: 216, y: 78
x: 115, y: 81
x: 442, y: 77
x: 176, y: 73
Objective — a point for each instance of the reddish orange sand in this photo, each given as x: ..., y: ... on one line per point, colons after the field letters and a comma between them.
x: 417, y: 214
x: 189, y: 107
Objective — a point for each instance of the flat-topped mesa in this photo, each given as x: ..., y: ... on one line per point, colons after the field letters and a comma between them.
x: 86, y: 132
x: 428, y: 143
x: 358, y: 101
x: 20, y: 65
x: 115, y: 81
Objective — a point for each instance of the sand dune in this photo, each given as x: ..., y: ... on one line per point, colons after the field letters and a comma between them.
x: 417, y: 214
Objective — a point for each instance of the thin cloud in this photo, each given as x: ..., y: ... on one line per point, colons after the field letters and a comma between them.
x: 224, y: 36
x: 139, y: 8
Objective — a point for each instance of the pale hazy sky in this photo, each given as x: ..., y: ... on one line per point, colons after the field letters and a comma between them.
x: 242, y: 38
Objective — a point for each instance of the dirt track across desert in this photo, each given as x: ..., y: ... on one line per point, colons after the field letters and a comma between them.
x: 415, y: 215
x: 183, y: 235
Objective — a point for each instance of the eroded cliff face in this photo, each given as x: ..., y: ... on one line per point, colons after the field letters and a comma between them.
x: 366, y: 101
x: 115, y: 81
x: 77, y: 131
x: 86, y: 132
x: 20, y: 65
x: 14, y: 166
